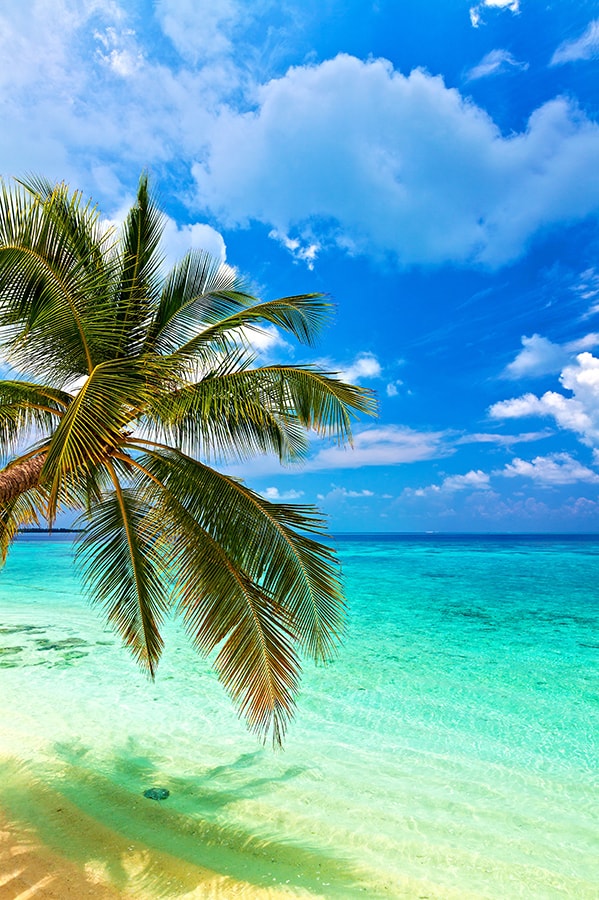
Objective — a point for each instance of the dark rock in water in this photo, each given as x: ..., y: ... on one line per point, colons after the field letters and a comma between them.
x: 156, y: 793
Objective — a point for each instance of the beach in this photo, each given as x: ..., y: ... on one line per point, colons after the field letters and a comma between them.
x: 448, y: 751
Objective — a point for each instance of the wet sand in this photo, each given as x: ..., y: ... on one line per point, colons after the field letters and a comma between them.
x: 28, y: 870
x: 31, y: 871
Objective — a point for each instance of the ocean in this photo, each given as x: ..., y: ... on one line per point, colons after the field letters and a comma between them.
x: 450, y: 750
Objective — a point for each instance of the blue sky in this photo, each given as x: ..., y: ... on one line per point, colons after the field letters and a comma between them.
x: 433, y: 166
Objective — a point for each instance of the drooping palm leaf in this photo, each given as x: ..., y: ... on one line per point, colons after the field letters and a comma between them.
x: 25, y: 406
x: 264, y: 539
x: 124, y: 570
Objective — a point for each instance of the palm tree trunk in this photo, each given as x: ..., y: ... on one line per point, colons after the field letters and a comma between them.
x: 20, y: 477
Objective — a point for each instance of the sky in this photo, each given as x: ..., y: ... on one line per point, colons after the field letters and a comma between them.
x: 432, y: 165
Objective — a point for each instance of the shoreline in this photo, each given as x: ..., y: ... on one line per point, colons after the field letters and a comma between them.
x: 30, y: 870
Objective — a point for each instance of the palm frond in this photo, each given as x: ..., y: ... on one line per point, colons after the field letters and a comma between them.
x: 138, y: 290
x: 124, y: 571
x: 26, y: 508
x: 267, y: 541
x: 53, y: 285
x: 92, y: 426
x: 226, y: 416
x: 200, y: 290
x: 27, y: 407
x: 302, y: 316
x: 225, y: 610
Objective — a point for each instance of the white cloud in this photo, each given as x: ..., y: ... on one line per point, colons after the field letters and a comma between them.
x: 541, y: 356
x: 274, y: 494
x: 578, y: 413
x: 118, y: 50
x: 476, y: 11
x: 199, y: 29
x: 475, y: 480
x: 422, y: 175
x: 341, y: 493
x: 554, y: 469
x: 177, y: 240
x: 302, y: 250
x: 393, y: 387
x: 365, y: 365
x: 494, y: 63
x: 385, y: 446
x: 503, y: 440
x: 584, y: 47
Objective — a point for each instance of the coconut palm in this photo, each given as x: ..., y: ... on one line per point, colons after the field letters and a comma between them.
x: 137, y: 385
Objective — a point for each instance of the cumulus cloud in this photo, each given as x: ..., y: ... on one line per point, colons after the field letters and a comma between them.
x: 475, y: 480
x: 540, y: 356
x: 578, y: 413
x: 177, y: 240
x: 554, y: 469
x: 365, y: 365
x: 494, y: 63
x: 421, y: 176
x: 584, y: 47
x: 476, y: 12
x: 274, y: 494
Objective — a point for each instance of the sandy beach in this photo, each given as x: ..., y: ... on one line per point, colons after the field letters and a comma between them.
x: 29, y: 870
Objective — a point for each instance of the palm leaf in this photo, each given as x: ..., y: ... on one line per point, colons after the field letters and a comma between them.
x: 138, y: 290
x: 25, y: 406
x: 53, y: 291
x: 224, y: 609
x: 302, y: 316
x: 199, y: 290
x: 226, y: 416
x: 124, y: 571
x: 92, y: 426
x: 264, y: 540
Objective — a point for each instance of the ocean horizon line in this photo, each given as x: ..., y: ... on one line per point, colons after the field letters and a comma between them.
x: 386, y: 534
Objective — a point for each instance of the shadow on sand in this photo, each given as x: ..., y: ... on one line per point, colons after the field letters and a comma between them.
x: 94, y: 816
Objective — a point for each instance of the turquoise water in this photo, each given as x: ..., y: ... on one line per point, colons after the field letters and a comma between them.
x: 450, y: 751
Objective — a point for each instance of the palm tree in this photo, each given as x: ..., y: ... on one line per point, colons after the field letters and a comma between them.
x: 137, y: 384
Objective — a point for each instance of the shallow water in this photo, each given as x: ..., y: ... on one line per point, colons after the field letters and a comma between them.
x: 450, y: 751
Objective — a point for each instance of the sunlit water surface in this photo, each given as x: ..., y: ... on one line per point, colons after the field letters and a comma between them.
x: 450, y: 750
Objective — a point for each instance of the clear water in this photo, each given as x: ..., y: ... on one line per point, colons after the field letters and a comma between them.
x: 450, y: 751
